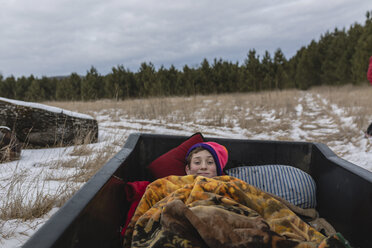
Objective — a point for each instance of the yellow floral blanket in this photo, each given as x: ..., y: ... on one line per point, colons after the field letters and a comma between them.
x: 195, y: 211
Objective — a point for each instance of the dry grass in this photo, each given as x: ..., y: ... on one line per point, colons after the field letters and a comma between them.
x: 356, y: 100
x: 152, y: 108
x: 19, y: 205
x: 90, y: 165
x: 266, y: 112
x: 245, y: 110
x: 215, y: 110
x: 28, y: 198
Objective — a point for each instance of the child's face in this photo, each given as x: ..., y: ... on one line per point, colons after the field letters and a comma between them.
x: 202, y: 164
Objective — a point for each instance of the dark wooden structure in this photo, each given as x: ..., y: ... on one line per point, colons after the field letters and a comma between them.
x: 43, y: 126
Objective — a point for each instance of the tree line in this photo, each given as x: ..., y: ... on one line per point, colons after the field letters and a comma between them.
x: 339, y: 57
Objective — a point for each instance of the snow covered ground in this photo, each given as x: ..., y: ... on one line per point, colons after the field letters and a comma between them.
x: 38, y: 171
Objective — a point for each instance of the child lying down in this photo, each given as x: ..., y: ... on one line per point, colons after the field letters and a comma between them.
x: 208, y: 209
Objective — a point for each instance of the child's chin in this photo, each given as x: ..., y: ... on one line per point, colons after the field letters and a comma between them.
x: 204, y: 174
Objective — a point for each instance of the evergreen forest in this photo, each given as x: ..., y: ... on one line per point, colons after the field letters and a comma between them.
x: 337, y: 58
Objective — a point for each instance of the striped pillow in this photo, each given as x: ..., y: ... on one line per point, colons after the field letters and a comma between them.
x: 290, y: 183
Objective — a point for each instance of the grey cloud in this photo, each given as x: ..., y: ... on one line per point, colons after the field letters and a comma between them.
x: 60, y: 37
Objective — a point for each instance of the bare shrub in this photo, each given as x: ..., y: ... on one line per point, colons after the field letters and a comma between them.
x: 27, y: 200
x: 90, y: 165
x: 81, y: 150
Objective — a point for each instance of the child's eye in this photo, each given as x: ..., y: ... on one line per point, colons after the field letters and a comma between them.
x: 210, y: 162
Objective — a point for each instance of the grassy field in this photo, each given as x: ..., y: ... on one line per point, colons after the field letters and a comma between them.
x: 245, y: 109
x: 335, y: 116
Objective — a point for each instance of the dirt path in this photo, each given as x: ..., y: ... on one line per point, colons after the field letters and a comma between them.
x: 324, y: 122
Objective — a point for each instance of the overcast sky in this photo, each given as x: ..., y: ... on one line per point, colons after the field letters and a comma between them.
x: 52, y: 38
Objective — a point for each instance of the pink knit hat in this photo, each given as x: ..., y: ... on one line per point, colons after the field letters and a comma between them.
x: 219, y: 153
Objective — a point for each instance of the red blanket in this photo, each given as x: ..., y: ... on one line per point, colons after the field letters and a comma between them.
x: 134, y: 192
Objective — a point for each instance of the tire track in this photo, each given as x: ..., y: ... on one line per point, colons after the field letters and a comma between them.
x: 324, y: 122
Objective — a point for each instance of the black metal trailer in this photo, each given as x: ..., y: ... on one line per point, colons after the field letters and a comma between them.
x: 92, y: 217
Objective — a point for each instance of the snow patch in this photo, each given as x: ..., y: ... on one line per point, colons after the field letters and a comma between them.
x: 38, y: 163
x: 47, y: 108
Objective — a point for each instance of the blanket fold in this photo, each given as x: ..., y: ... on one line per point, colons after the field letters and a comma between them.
x: 195, y: 211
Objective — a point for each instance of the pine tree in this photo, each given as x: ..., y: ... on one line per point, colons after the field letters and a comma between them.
x: 346, y: 68
x: 267, y: 71
x: 69, y: 88
x: 308, y: 69
x: 164, y: 82
x: 187, y: 81
x: 280, y: 75
x: 115, y: 83
x: 363, y: 51
x: 21, y: 87
x: 75, y: 82
x: 253, y: 80
x: 48, y: 86
x: 146, y: 80
x: 173, y: 85
x: 7, y: 87
x: 230, y: 76
x: 92, y: 87
x: 35, y: 92
x: 205, y: 84
x: 334, y: 58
